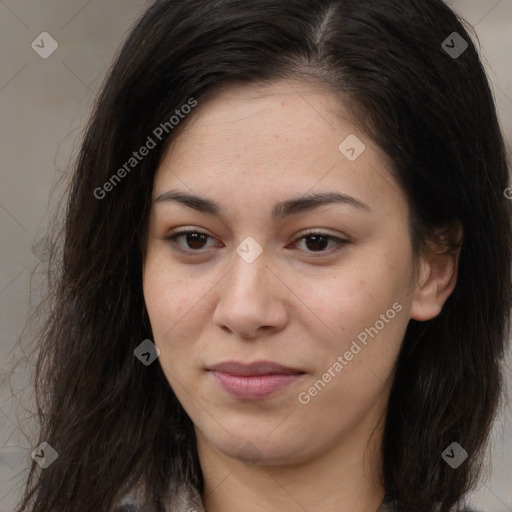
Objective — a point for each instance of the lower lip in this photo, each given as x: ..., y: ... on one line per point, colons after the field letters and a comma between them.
x: 255, y: 387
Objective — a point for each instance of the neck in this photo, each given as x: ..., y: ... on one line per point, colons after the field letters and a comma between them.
x: 344, y: 478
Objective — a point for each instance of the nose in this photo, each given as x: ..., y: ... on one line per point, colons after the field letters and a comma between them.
x: 252, y: 300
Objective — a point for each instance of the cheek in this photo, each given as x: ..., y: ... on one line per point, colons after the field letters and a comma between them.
x: 178, y: 306
x: 161, y: 300
x: 168, y: 291
x: 347, y: 308
x: 168, y: 299
x: 167, y: 305
x: 346, y: 303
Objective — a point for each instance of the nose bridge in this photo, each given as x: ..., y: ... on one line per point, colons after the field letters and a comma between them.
x: 246, y: 303
x: 247, y: 275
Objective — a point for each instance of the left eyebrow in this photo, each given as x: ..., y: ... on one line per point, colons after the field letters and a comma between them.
x: 279, y: 211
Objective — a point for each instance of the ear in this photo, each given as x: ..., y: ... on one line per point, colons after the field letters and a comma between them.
x: 437, y: 273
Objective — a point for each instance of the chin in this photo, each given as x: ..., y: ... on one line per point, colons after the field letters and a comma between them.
x: 261, y: 447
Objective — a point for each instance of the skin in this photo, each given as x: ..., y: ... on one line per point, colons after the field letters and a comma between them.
x: 247, y: 148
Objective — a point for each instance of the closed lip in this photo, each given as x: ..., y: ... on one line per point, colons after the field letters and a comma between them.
x: 253, y: 369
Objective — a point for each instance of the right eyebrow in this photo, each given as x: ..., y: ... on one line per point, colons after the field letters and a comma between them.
x: 279, y: 211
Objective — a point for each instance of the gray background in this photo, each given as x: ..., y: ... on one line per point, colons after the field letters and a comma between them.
x: 44, y: 104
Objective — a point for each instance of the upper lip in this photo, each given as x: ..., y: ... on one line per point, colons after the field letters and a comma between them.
x: 255, y: 368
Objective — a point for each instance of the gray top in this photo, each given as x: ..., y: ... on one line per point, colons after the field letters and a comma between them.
x: 188, y: 500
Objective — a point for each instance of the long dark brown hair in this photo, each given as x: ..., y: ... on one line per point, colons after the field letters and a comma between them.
x: 115, y: 422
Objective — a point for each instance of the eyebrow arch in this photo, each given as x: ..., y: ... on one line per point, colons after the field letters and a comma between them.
x: 279, y: 211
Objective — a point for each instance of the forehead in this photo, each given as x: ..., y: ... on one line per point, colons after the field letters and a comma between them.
x: 284, y: 110
x: 281, y: 136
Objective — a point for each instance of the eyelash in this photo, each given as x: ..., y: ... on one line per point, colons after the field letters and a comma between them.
x: 339, y: 245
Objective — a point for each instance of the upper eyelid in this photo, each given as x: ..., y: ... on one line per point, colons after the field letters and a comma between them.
x: 310, y: 232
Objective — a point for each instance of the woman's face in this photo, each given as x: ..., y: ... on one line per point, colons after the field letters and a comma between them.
x: 254, y: 286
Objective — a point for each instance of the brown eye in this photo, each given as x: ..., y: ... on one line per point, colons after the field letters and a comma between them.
x: 194, y: 241
x: 316, y: 242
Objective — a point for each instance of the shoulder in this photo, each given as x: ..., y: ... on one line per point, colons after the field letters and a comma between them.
x: 133, y: 502
x: 391, y: 506
x: 188, y: 499
x: 132, y: 507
